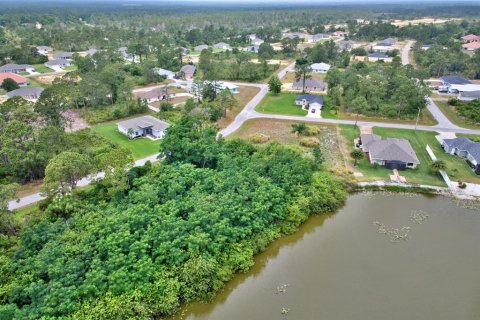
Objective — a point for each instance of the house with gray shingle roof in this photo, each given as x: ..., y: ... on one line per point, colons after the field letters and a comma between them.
x: 310, y: 85
x: 16, y: 68
x: 465, y: 148
x: 469, y: 96
x: 142, y: 127
x: 200, y: 47
x: 63, y: 56
x: 390, y: 153
x: 28, y: 93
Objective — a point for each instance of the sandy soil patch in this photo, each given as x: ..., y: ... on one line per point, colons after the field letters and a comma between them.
x: 76, y: 122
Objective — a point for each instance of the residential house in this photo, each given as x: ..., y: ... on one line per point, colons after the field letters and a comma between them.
x: 339, y: 34
x: 63, y: 56
x: 457, y: 84
x: 44, y: 50
x: 252, y: 36
x: 200, y: 47
x: 256, y: 41
x: 471, y: 46
x: 154, y: 95
x: 252, y: 49
x: 123, y: 51
x: 469, y: 96
x: 30, y: 93
x: 293, y: 35
x: 391, y: 153
x: 222, y: 46
x: 319, y: 36
x: 187, y: 72
x: 345, y: 44
x: 57, y: 64
x: 21, y: 81
x: 310, y: 102
x: 384, y: 45
x: 142, y: 127
x: 91, y: 51
x: 17, y: 68
x: 377, y: 56
x: 164, y: 72
x: 465, y: 148
x: 222, y: 85
x: 320, y: 67
x: 310, y: 85
x: 471, y: 38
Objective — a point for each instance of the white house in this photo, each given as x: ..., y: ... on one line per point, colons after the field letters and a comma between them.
x: 320, y: 67
x: 17, y: 68
x: 44, y: 50
x: 222, y: 85
x: 57, y: 65
x: 142, y: 127
x: 164, y: 72
x: 465, y: 148
x: 222, y: 46
x: 469, y: 96
x: 256, y: 41
x: 318, y: 37
x: 457, y: 84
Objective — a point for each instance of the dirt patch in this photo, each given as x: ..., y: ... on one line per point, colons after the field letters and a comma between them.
x: 47, y: 79
x: 245, y: 94
x: 290, y: 77
x: 281, y: 131
x: 76, y: 122
x: 425, y: 20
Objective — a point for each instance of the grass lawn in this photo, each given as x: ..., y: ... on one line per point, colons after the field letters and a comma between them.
x: 140, y: 147
x: 281, y: 131
x: 70, y: 68
x: 42, y: 68
x: 284, y: 103
x: 452, y: 115
x: 418, y: 140
x: 244, y: 95
x: 426, y: 117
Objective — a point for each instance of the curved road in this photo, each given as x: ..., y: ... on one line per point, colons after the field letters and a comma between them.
x: 248, y: 112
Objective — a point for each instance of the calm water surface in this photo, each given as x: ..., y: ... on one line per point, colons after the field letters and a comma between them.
x: 340, y: 267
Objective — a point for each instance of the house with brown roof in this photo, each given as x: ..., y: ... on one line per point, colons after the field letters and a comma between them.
x: 157, y: 94
x: 390, y: 153
x: 21, y: 81
x: 471, y: 38
x: 187, y: 72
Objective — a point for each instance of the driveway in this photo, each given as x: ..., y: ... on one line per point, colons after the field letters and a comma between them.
x: 406, y: 52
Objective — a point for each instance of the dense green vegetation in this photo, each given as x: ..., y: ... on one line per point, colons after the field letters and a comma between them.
x: 180, y: 230
x: 378, y: 89
x: 468, y: 110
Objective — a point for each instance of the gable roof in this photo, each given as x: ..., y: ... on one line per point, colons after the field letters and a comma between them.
x: 320, y: 66
x: 471, y: 46
x: 390, y: 149
x: 465, y: 144
x: 309, y: 83
x: 378, y: 55
x: 63, y: 55
x: 310, y: 98
x: 15, y: 77
x: 471, y: 37
x: 154, y: 93
x: 30, y: 92
x: 57, y: 62
x: 200, y: 47
x: 164, y: 72
x: 188, y: 68
x: 386, y: 43
x: 12, y: 67
x: 470, y: 94
x: 144, y: 122
x: 454, y: 79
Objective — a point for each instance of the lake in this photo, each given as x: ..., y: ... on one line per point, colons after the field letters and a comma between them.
x: 360, y: 264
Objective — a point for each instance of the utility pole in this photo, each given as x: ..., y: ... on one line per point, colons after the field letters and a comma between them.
x: 418, y: 117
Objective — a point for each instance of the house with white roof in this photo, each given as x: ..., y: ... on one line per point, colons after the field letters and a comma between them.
x: 164, y: 72
x: 222, y: 46
x: 320, y: 67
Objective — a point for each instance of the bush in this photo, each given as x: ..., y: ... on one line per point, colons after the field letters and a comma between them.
x: 94, y: 115
x: 312, y: 131
x: 309, y: 142
x: 258, y: 138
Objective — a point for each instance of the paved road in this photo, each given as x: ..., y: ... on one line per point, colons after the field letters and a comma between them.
x: 33, y: 198
x: 444, y: 125
x: 406, y: 53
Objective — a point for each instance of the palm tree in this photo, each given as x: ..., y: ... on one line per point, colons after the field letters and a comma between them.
x: 438, y: 165
x: 303, y: 71
x: 356, y: 154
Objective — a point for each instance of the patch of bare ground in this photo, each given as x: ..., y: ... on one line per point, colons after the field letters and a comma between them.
x: 245, y: 94
x: 75, y: 121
